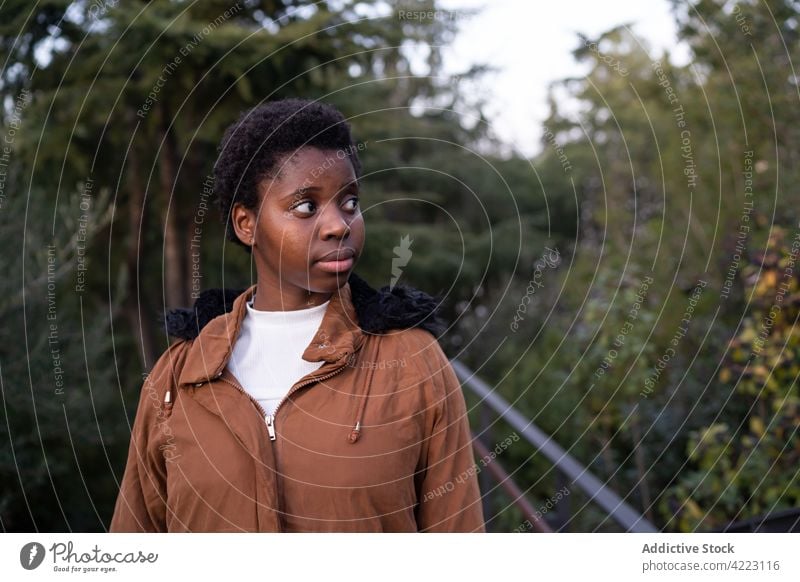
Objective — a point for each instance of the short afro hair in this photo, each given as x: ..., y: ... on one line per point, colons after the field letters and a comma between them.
x: 252, y: 147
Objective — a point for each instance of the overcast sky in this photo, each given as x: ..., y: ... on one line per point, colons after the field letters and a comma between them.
x: 531, y: 41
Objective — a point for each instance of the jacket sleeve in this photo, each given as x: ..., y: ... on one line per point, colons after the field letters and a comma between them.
x: 142, y: 500
x: 448, y: 496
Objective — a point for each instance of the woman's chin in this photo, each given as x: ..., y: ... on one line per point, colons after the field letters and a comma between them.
x: 328, y: 282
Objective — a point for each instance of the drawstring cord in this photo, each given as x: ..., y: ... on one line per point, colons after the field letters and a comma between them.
x: 356, y: 432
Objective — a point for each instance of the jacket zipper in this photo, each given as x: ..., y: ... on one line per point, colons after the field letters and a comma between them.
x: 270, y: 418
x: 246, y: 393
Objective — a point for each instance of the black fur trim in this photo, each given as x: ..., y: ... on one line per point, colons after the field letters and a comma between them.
x: 377, y: 311
x: 187, y: 323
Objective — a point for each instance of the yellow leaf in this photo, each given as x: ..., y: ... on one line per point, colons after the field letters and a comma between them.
x: 694, y: 509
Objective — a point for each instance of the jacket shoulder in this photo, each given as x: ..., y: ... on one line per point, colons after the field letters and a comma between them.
x: 167, y: 368
x: 425, y: 356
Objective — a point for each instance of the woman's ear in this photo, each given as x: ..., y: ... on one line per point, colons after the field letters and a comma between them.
x: 244, y: 224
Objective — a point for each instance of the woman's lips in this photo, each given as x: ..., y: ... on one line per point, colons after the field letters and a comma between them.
x: 338, y: 261
x: 336, y: 266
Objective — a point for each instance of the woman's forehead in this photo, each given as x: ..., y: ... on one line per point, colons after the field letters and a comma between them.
x: 311, y: 165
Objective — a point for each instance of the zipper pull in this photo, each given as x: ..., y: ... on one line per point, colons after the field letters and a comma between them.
x: 270, y: 418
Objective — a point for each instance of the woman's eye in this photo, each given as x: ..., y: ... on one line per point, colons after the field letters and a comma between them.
x: 300, y: 206
x: 308, y: 207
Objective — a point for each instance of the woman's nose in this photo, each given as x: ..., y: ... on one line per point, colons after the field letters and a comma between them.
x: 333, y: 223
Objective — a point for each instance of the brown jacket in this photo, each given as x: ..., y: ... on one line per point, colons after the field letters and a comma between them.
x: 376, y: 439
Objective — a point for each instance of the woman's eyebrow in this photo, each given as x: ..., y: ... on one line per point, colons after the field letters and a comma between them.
x: 351, y: 184
x: 303, y: 190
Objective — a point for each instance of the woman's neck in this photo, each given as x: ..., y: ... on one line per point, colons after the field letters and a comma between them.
x: 286, y: 297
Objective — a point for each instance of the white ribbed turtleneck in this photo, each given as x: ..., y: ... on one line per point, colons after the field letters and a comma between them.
x: 267, y: 356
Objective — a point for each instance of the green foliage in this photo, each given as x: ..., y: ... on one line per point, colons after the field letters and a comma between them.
x: 750, y: 468
x: 668, y: 166
x: 61, y: 416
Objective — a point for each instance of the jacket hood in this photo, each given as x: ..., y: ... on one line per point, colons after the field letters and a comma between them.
x: 377, y: 311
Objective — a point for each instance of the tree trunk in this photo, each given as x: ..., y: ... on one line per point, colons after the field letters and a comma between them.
x: 141, y: 327
x: 193, y: 265
x: 175, y: 287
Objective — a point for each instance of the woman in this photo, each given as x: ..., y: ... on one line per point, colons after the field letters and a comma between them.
x: 309, y: 401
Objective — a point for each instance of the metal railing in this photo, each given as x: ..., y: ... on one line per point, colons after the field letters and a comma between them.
x: 507, y: 483
x: 783, y: 521
x: 578, y: 475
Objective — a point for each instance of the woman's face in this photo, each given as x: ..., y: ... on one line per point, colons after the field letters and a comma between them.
x: 308, y: 211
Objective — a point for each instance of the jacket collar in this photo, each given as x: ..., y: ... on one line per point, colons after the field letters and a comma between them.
x: 338, y: 336
x: 354, y: 310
